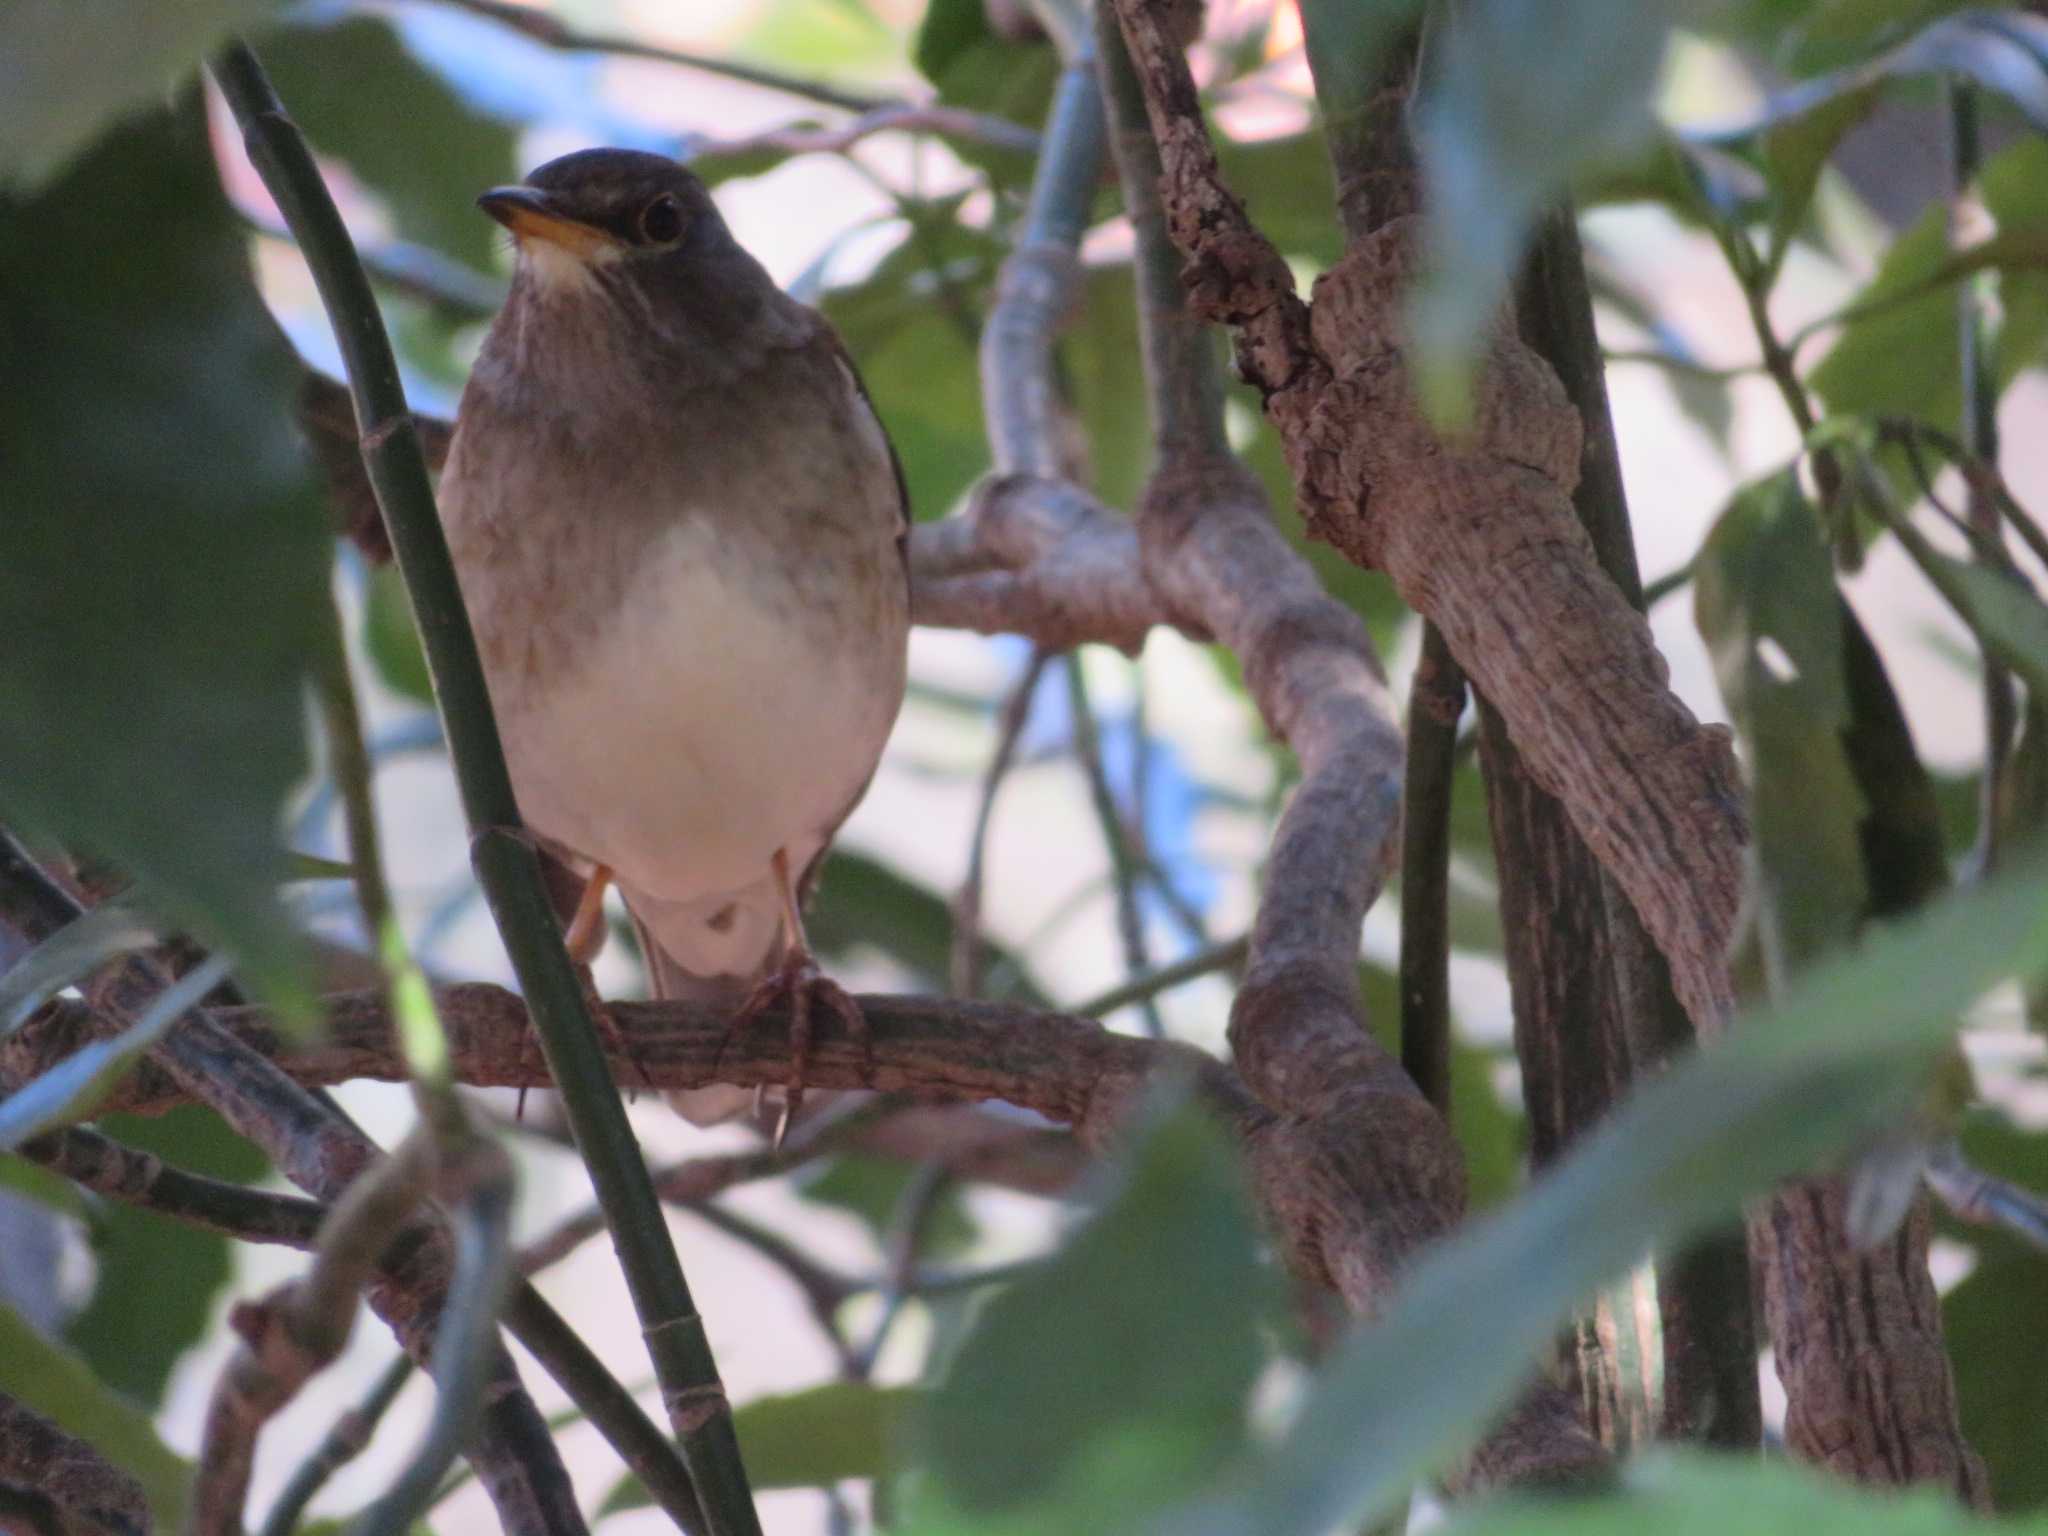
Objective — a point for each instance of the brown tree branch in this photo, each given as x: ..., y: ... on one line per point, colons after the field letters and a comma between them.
x: 1480, y: 538
x: 81, y: 1493
x: 322, y: 1151
x: 296, y: 1331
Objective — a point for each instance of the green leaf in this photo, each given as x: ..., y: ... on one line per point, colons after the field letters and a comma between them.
x: 68, y: 68
x: 361, y: 96
x: 32, y: 1181
x: 163, y: 556
x: 1693, y: 1494
x: 1785, y: 1090
x: 1524, y: 94
x: 913, y: 326
x: 871, y: 1189
x: 1764, y: 594
x: 1288, y: 189
x: 49, y: 1379
x: 392, y: 639
x: 2001, y: 610
x: 64, y: 1092
x: 812, y: 1439
x: 1897, y: 355
x: 1100, y: 1386
x: 156, y: 1280
x: 972, y: 67
x: 861, y: 900
x: 66, y: 957
x: 1993, y: 1326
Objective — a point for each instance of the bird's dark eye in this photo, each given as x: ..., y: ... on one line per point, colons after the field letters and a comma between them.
x: 661, y: 220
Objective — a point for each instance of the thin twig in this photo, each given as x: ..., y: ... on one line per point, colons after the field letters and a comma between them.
x: 823, y: 1288
x: 503, y: 853
x: 1980, y: 432
x: 1130, y: 918
x: 890, y: 117
x: 347, y: 1438
x: 545, y: 28
x: 312, y: 1143
x: 967, y: 946
x: 1230, y: 955
x: 298, y: 1330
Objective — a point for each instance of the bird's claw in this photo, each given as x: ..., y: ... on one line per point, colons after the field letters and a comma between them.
x: 799, y: 981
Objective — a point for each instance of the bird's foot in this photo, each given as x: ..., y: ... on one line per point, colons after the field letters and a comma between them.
x: 798, y: 981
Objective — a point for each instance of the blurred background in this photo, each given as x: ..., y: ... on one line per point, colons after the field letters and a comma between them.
x: 1128, y: 831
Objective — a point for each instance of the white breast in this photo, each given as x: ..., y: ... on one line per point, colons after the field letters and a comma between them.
x: 705, y: 725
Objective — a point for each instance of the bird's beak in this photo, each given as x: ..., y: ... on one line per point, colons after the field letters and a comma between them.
x: 531, y: 215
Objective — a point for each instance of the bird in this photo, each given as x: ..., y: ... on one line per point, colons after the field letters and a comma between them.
x: 680, y: 530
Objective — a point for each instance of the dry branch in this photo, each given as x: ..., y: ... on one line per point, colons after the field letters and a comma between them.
x: 1480, y: 538
x: 82, y: 1494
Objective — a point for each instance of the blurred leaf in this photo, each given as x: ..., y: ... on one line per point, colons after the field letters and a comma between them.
x: 1805, y: 37
x: 66, y: 1091
x: 871, y: 1188
x: 137, y: 1254
x: 1799, y: 128
x: 68, y: 68
x: 1764, y: 594
x: 1098, y: 1387
x: 390, y: 637
x: 1905, y: 845
x: 1782, y: 1092
x: 49, y: 1379
x: 1106, y: 384
x: 163, y: 556
x: 32, y: 1181
x: 825, y: 37
x: 66, y: 957
x: 913, y: 326
x: 1521, y: 95
x: 2001, y: 610
x: 861, y: 900
x: 1794, y: 150
x: 1289, y: 192
x: 310, y: 866
x: 1694, y: 1494
x: 1995, y: 1329
x: 813, y: 1439
x: 407, y: 134
x: 972, y: 67
x: 1898, y: 355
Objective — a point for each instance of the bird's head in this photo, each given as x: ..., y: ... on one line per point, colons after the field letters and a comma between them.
x: 612, y: 216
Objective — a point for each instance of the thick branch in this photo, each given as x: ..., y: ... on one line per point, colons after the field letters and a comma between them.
x: 1482, y: 540
x: 80, y: 1490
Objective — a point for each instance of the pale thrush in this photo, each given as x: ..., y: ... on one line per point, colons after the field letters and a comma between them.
x: 680, y: 531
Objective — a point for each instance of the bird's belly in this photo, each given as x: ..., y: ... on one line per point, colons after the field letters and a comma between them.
x: 716, y: 715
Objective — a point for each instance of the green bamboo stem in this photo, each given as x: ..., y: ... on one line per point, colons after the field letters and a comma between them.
x: 502, y: 852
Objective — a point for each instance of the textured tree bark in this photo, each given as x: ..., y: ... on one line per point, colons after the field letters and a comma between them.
x: 1481, y: 537
x: 1597, y: 1010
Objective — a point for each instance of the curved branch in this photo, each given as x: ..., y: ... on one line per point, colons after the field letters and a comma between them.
x: 1481, y: 538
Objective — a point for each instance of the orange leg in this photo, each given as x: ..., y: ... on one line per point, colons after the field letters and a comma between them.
x: 587, y: 932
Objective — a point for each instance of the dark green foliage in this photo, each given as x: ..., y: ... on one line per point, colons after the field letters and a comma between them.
x: 159, y: 506
x: 364, y: 100
x: 180, y: 1269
